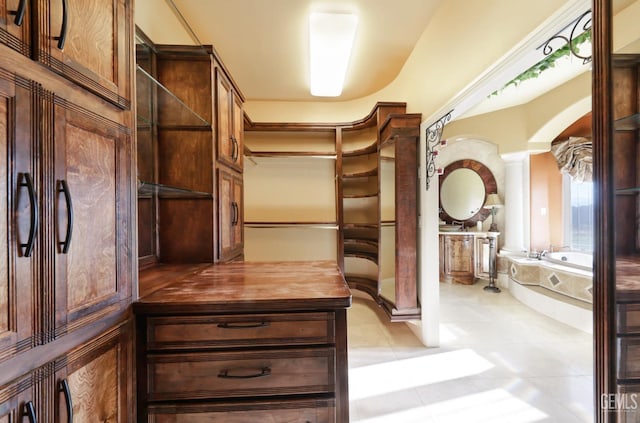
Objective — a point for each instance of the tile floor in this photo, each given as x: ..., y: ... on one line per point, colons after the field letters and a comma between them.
x: 498, y: 361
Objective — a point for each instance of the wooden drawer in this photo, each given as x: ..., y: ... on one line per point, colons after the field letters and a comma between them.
x: 189, y: 332
x: 629, y: 358
x: 628, y: 318
x: 303, y: 411
x: 240, y: 374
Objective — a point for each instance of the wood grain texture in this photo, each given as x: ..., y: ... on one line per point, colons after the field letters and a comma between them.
x: 95, y: 389
x: 456, y: 259
x: 307, y: 410
x: 251, y: 286
x: 91, y: 272
x: 5, y: 279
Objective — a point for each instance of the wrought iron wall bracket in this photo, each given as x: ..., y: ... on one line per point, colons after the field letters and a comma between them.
x: 433, y: 137
x: 578, y: 26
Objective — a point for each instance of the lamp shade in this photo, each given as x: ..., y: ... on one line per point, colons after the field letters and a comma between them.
x: 493, y: 200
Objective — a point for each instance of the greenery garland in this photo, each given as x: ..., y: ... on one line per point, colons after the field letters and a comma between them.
x: 546, y: 63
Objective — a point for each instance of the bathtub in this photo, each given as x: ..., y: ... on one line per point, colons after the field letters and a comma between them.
x: 560, y: 288
x: 571, y: 276
x: 572, y: 259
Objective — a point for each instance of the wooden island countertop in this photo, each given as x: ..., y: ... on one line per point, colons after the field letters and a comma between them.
x: 250, y: 286
x: 243, y: 341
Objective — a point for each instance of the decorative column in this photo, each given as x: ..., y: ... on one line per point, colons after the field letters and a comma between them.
x: 516, y: 202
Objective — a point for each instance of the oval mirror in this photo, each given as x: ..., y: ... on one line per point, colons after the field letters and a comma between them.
x: 464, y: 186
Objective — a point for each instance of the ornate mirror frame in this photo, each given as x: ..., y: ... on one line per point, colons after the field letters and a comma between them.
x: 490, y: 186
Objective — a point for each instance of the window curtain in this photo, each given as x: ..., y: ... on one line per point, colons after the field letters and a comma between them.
x: 575, y: 157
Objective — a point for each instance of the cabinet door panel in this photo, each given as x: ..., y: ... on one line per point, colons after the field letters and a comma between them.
x: 98, y: 376
x: 238, y: 129
x: 238, y: 227
x: 223, y: 103
x: 97, y: 38
x: 91, y: 157
x: 225, y: 212
x: 16, y: 269
x: 230, y: 214
x: 15, y: 25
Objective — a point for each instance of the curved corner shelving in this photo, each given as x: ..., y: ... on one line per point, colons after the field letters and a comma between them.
x: 369, y: 149
x: 361, y: 174
x: 364, y: 284
x: 361, y: 248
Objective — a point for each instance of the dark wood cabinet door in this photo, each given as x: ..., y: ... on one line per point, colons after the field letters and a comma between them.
x: 91, y: 235
x: 230, y: 123
x: 237, y: 118
x: 15, y: 25
x: 458, y: 258
x: 19, y: 218
x: 94, y: 380
x: 89, y: 42
x: 17, y: 401
x: 238, y: 227
x: 230, y: 214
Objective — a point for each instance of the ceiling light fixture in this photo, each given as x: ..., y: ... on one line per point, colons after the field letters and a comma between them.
x: 331, y: 38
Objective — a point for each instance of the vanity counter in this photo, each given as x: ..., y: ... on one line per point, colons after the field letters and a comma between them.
x: 245, y: 342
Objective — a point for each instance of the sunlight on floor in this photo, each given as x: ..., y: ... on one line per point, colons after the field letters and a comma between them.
x: 498, y: 362
x: 413, y: 372
x: 495, y: 406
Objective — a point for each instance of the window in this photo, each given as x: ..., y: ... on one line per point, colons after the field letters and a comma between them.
x: 578, y: 214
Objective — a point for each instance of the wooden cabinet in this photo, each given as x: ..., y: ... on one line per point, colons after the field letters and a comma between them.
x: 230, y: 123
x: 230, y: 212
x: 18, y: 217
x: 89, y: 236
x: 90, y: 383
x: 67, y: 189
x: 15, y: 25
x: 182, y: 215
x: 273, y: 344
x: 457, y: 259
x: 88, y: 42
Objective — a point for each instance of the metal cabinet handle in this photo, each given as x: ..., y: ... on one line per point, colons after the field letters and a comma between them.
x: 225, y: 374
x: 64, y: 188
x: 63, y: 28
x: 234, y: 148
x: 249, y: 325
x: 30, y: 412
x: 64, y: 388
x: 22, y: 9
x: 34, y: 220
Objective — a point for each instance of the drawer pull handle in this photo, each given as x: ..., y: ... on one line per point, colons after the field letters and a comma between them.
x: 243, y: 325
x: 224, y: 374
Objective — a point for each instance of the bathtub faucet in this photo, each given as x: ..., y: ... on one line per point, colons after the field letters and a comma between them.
x: 542, y: 254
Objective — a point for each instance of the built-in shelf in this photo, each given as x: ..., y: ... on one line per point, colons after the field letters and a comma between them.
x: 628, y: 123
x: 149, y: 189
x: 181, y: 114
x: 275, y: 153
x: 361, y: 174
x: 366, y: 232
x: 310, y: 225
x: 366, y: 249
x: 366, y: 195
x: 370, y: 149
